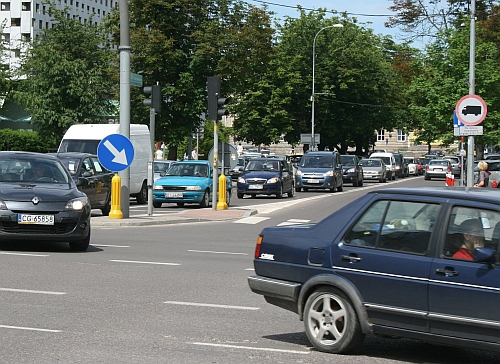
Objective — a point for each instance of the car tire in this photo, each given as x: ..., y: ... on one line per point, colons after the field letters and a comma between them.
x: 341, y: 187
x: 339, y: 316
x: 355, y: 183
x: 292, y: 191
x: 427, y: 178
x: 106, y: 209
x: 142, y: 197
x: 298, y: 189
x: 80, y: 245
x: 240, y: 195
x: 306, y: 189
x: 157, y: 204
x: 205, y: 201
x: 280, y: 192
x: 180, y: 204
x: 393, y: 177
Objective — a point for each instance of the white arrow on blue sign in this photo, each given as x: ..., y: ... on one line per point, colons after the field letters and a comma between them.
x: 115, y: 152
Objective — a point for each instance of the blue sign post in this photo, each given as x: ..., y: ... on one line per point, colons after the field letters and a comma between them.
x: 115, y: 152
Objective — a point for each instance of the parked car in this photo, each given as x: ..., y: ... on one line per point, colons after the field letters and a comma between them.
x: 40, y: 201
x: 266, y: 176
x: 391, y: 263
x: 437, y: 168
x: 374, y: 169
x: 188, y: 181
x: 413, y: 166
x: 319, y: 170
x: 389, y: 161
x: 456, y: 165
x: 353, y: 171
x: 93, y: 179
x: 160, y: 167
x: 493, y: 169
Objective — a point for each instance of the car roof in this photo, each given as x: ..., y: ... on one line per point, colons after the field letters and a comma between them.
x: 73, y: 155
x: 23, y: 154
x: 465, y: 193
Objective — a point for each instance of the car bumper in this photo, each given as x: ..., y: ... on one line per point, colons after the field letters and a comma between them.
x: 376, y: 176
x: 350, y: 177
x: 259, y: 189
x: 320, y: 183
x: 432, y: 174
x: 269, y: 287
x: 185, y: 197
x: 68, y: 226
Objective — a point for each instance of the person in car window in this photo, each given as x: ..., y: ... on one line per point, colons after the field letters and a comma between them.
x: 473, y: 237
x: 484, y: 177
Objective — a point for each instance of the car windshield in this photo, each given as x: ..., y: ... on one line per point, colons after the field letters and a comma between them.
x: 188, y: 170
x: 386, y: 160
x: 441, y: 162
x: 32, y: 169
x: 348, y: 160
x: 370, y: 163
x: 160, y: 167
x: 259, y: 165
x: 409, y: 160
x: 316, y: 161
x: 452, y: 159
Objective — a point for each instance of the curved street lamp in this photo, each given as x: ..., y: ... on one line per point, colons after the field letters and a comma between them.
x: 313, y: 141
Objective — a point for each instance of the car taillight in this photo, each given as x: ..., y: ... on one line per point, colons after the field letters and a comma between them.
x: 257, y: 247
x: 459, y: 166
x: 427, y: 168
x: 449, y: 168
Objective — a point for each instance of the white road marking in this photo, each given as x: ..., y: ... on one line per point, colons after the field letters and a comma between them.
x: 251, y: 220
x: 112, y: 246
x: 251, y: 348
x: 250, y: 269
x: 28, y: 328
x: 26, y: 254
x: 213, y: 252
x: 211, y: 305
x: 141, y: 262
x: 30, y: 291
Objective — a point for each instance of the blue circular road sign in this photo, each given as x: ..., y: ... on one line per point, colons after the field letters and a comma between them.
x: 115, y: 152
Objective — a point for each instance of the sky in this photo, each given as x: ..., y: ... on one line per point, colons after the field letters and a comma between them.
x: 361, y: 9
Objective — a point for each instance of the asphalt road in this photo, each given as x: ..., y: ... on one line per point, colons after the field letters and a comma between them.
x: 174, y: 294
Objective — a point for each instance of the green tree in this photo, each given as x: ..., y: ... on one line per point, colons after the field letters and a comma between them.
x: 67, y: 75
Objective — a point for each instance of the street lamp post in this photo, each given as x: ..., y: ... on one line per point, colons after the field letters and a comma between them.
x: 313, y: 141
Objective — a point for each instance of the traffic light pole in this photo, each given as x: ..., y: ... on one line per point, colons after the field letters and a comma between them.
x: 215, y: 175
x: 472, y: 90
x: 151, y: 160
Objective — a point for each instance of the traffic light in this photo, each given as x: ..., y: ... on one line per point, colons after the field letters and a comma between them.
x: 215, y: 102
x: 155, y: 100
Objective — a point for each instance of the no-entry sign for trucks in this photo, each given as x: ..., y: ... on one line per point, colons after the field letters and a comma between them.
x: 471, y: 110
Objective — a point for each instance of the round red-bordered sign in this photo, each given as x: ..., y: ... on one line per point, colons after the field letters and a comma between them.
x: 471, y: 110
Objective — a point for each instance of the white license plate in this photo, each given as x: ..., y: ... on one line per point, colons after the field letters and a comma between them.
x: 438, y: 169
x: 174, y: 195
x: 312, y: 181
x: 255, y: 187
x: 35, y: 219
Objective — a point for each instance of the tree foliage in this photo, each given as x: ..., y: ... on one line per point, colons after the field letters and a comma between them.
x: 66, y: 75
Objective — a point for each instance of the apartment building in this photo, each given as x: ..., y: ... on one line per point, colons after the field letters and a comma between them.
x: 23, y: 20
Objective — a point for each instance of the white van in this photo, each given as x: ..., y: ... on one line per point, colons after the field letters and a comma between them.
x: 86, y: 137
x: 390, y: 162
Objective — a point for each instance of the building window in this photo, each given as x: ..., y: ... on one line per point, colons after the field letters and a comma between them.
x: 25, y: 37
x: 25, y: 6
x: 40, y: 24
x: 401, y: 136
x: 15, y: 22
x: 380, y: 135
x: 5, y: 6
x: 5, y: 37
x: 37, y: 8
x: 15, y: 53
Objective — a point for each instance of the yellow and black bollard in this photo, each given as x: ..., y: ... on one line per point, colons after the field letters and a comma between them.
x: 116, y: 186
x: 222, y: 205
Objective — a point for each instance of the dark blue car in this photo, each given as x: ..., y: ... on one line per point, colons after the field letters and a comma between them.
x: 420, y: 263
x: 266, y: 176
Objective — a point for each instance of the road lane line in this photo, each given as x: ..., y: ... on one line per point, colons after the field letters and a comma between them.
x: 211, y: 305
x: 141, y: 262
x: 30, y: 291
x: 28, y: 328
x: 112, y: 246
x: 26, y: 254
x: 251, y: 348
x: 214, y: 252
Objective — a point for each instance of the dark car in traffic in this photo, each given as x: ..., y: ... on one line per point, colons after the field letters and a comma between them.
x: 419, y: 263
x: 39, y: 201
x: 353, y: 170
x: 93, y: 179
x: 401, y: 165
x: 266, y: 176
x: 319, y: 170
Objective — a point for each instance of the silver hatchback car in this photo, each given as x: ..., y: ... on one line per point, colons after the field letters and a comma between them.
x: 437, y: 168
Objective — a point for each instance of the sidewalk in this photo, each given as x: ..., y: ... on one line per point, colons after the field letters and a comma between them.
x: 185, y: 216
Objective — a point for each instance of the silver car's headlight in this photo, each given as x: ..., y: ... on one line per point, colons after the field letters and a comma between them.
x: 3, y: 206
x: 328, y: 174
x: 193, y: 188
x: 241, y: 180
x: 273, y: 180
x: 76, y: 204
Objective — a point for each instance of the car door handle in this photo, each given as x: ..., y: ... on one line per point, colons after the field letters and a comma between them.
x: 448, y: 272
x: 350, y: 258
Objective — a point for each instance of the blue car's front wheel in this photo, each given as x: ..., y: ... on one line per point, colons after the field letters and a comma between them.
x: 205, y: 201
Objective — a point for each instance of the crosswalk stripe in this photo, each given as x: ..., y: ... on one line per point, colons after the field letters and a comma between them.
x: 251, y: 220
